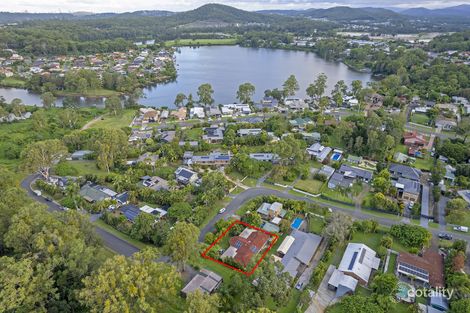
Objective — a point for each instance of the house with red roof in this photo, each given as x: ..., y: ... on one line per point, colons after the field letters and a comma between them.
x: 244, y: 246
x: 427, y: 268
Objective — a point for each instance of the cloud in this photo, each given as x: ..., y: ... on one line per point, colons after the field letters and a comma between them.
x: 181, y: 5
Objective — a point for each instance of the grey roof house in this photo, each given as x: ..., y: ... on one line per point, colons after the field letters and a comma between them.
x: 206, y: 281
x: 185, y: 176
x: 403, y: 171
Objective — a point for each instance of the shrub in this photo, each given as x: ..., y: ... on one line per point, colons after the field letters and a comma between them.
x: 65, y: 169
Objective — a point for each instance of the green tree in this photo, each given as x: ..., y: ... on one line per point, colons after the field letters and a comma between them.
x: 385, y: 284
x: 290, y: 86
x: 25, y: 286
x: 137, y: 284
x: 111, y: 147
x: 48, y: 99
x: 205, y: 92
x: 143, y: 227
x: 317, y: 89
x: 41, y: 155
x: 179, y: 100
x: 182, y: 243
x: 113, y: 105
x: 338, y: 228
x: 199, y: 302
x: 245, y: 92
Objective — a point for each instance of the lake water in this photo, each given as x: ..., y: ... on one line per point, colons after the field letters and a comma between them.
x: 225, y: 68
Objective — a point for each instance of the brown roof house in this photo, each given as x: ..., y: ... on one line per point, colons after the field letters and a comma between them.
x: 373, y: 102
x: 244, y: 246
x: 426, y: 269
x: 180, y: 114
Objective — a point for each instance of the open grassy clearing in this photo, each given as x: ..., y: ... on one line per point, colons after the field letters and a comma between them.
x: 119, y: 121
x: 312, y: 186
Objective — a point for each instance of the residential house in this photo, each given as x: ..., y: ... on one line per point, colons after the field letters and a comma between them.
x: 266, y: 104
x: 197, y: 112
x: 373, y: 102
x: 148, y: 158
x: 358, y: 262
x: 297, y: 251
x: 159, y: 213
x: 213, y: 134
x: 81, y: 154
x: 413, y: 139
x: 165, y: 115
x: 155, y: 183
x: 122, y: 198
x: 130, y: 211
x: 180, y: 114
x: 347, y: 175
x: 206, y: 282
x: 295, y: 104
x: 354, y: 159
x: 249, y: 132
x: 404, y: 171
x: 341, y: 283
x: 149, y: 115
x: 450, y: 173
x: 185, y: 176
x: 300, y: 123
x: 446, y: 124
x: 311, y: 137
x: 167, y: 136
x: 426, y: 269
x: 265, y: 157
x: 465, y: 194
x: 246, y: 245
x: 214, y: 112
x: 140, y: 135
x: 319, y: 152
x: 408, y: 190
x: 448, y: 107
x: 95, y: 193
x: 238, y: 108
x: 269, y: 211
x: 214, y: 158
x: 326, y: 171
x: 190, y: 144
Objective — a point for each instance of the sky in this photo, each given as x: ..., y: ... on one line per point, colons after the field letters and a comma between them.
x: 65, y: 6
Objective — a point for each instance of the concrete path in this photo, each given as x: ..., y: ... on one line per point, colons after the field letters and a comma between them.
x: 324, y: 297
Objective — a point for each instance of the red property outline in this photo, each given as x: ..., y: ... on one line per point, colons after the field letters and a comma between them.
x: 205, y: 256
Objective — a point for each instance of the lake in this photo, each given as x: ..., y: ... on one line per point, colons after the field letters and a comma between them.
x: 225, y: 68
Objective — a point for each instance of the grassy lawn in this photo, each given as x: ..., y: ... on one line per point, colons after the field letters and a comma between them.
x: 214, y: 210
x: 316, y: 224
x: 425, y: 163
x: 87, y: 167
x: 266, y: 185
x: 312, y: 186
x: 247, y: 181
x: 193, y: 134
x: 12, y: 82
x: 465, y: 221
x: 200, y: 42
x: 236, y: 191
x: 335, y: 195
x: 420, y: 118
x: 373, y: 240
x: 381, y: 214
x: 119, y: 121
x: 89, y: 93
x: 120, y: 235
x: 392, y: 263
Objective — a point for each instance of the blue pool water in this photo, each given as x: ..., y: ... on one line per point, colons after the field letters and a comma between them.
x: 296, y: 223
x: 336, y: 156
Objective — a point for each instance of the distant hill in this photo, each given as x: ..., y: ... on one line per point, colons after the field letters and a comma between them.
x: 460, y: 11
x: 218, y: 13
x: 7, y: 17
x: 341, y: 13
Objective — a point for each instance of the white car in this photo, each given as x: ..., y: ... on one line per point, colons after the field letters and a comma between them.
x: 222, y: 210
x: 37, y: 193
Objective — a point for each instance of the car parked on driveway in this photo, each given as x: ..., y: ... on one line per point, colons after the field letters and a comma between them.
x: 445, y: 236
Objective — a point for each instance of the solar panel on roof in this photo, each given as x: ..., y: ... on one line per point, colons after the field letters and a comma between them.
x: 353, y: 260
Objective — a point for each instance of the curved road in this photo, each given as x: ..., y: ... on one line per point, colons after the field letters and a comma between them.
x: 125, y: 248
x: 251, y: 193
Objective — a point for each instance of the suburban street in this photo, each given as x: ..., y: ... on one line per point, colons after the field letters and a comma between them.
x: 125, y: 248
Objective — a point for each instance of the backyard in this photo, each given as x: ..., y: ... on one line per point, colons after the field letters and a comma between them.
x: 420, y: 118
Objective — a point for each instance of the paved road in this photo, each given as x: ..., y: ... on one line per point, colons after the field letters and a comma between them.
x: 109, y: 240
x: 251, y: 193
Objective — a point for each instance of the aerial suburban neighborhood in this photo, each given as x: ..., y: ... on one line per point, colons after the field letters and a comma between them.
x: 222, y: 160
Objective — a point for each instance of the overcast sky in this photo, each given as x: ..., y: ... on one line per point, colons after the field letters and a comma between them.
x: 183, y: 5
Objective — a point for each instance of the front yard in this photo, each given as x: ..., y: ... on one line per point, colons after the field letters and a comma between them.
x: 420, y: 118
x: 312, y: 186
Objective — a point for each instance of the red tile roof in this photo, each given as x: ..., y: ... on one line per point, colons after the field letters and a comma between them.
x: 414, y: 139
x: 247, y: 247
x: 431, y: 261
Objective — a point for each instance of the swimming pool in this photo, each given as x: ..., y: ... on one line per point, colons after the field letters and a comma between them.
x: 336, y: 156
x: 405, y: 292
x: 296, y: 223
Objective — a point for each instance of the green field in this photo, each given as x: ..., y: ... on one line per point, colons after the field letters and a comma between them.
x: 312, y: 186
x: 109, y: 121
x: 87, y: 168
x: 201, y: 42
x: 89, y: 93
x: 420, y: 118
x: 12, y: 82
x: 392, y: 263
